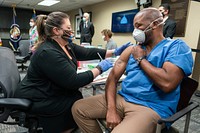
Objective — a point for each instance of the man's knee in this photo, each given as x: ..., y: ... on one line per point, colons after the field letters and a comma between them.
x: 76, y: 109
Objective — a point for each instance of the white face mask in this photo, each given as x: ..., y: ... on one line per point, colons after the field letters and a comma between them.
x: 31, y: 24
x: 84, y: 19
x: 103, y: 37
x: 139, y: 35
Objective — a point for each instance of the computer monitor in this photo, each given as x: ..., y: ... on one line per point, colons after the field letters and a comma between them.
x: 122, y: 22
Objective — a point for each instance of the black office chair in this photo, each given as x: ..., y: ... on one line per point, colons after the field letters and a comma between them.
x: 10, y: 107
x: 23, y: 53
x: 185, y: 106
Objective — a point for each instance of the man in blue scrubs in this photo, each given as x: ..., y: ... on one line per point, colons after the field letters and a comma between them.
x: 155, y: 68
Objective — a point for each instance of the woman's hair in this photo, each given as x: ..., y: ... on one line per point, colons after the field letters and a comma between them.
x: 40, y: 27
x: 107, y: 32
x: 34, y: 19
x: 45, y: 24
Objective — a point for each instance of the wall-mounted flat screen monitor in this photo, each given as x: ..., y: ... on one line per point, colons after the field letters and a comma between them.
x: 122, y: 22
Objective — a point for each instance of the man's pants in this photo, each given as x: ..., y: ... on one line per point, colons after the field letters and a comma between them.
x: 136, y: 118
x: 86, y: 39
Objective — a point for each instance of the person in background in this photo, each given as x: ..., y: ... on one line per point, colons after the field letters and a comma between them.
x: 86, y: 29
x: 107, y: 36
x: 33, y: 34
x: 155, y: 68
x: 52, y: 82
x: 41, y: 38
x: 169, y: 28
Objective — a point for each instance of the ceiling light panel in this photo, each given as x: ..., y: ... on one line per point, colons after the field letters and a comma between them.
x: 48, y: 2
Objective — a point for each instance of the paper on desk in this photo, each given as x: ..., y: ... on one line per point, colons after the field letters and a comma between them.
x: 104, y: 78
x: 100, y: 79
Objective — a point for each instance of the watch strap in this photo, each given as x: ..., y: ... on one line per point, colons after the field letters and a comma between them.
x: 139, y: 59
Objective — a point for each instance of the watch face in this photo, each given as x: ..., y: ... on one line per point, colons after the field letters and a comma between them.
x: 139, y: 59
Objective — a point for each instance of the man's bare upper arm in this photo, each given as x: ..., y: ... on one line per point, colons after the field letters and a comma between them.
x: 120, y: 64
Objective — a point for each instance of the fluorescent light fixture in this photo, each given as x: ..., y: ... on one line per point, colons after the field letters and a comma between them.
x: 141, y: 1
x: 48, y: 2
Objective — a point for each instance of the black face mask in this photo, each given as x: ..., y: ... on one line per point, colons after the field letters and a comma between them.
x: 67, y: 35
x: 163, y: 14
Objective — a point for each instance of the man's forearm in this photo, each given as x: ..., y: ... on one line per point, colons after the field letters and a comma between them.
x: 111, y: 95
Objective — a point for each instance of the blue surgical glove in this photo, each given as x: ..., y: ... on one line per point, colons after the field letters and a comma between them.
x: 104, y: 65
x: 119, y: 50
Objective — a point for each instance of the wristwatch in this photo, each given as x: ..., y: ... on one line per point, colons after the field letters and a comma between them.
x: 139, y: 59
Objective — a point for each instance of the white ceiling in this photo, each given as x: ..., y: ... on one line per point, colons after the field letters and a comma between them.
x: 63, y: 5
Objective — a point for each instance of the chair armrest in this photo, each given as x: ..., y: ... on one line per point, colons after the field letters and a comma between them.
x: 179, y: 114
x: 103, y: 123
x: 16, y: 52
x: 15, y: 103
x: 27, y: 57
x: 23, y: 58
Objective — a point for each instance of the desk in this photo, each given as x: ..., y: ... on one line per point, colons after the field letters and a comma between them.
x: 102, y: 81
